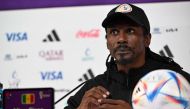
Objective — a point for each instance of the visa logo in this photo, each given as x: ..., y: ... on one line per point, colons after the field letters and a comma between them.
x: 16, y: 36
x: 52, y: 75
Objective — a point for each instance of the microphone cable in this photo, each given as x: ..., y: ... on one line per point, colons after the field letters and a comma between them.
x: 108, y: 65
x: 69, y: 92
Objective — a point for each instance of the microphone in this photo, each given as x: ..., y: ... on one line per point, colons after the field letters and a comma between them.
x: 107, y: 65
x: 69, y: 93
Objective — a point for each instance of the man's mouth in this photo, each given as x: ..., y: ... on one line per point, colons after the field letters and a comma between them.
x: 123, y: 51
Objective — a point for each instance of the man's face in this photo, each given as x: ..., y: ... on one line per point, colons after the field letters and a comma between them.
x: 126, y: 42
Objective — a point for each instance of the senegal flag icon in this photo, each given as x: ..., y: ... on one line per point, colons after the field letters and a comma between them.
x: 28, y: 98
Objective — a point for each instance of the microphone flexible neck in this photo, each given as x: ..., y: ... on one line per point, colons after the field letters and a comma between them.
x: 69, y: 92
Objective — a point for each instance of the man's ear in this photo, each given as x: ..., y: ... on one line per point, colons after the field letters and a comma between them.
x: 107, y: 42
x: 107, y: 45
x: 147, y: 40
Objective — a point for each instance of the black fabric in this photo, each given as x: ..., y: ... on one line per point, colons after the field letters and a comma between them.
x: 120, y: 84
x: 137, y: 15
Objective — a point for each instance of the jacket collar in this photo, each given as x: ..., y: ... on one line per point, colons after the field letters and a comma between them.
x: 132, y: 77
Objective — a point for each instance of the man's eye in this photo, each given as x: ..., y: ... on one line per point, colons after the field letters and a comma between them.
x: 114, y: 32
x: 130, y: 31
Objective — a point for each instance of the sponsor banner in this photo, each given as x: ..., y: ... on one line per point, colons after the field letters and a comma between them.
x: 62, y: 47
x: 28, y: 4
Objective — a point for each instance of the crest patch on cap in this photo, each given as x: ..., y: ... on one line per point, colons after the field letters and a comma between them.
x: 124, y: 8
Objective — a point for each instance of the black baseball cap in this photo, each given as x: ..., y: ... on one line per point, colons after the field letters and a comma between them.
x: 128, y: 11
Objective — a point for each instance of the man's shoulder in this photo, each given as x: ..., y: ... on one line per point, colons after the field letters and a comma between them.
x: 163, y: 61
x: 185, y: 74
x: 168, y: 63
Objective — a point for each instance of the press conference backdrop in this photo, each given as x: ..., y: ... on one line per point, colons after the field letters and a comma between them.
x: 61, y: 47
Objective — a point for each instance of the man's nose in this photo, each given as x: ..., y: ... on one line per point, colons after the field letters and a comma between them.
x: 122, y: 38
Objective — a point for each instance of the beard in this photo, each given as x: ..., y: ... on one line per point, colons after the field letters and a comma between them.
x: 123, y: 61
x: 124, y: 54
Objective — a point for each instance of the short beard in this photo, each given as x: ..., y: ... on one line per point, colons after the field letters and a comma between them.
x: 123, y: 61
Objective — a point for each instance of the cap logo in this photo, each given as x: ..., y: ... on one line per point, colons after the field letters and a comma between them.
x: 124, y: 8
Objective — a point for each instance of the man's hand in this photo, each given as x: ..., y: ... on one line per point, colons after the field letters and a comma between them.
x: 92, y: 98
x: 113, y: 104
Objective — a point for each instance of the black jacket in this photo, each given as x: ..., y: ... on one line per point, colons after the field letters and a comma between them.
x: 121, y: 85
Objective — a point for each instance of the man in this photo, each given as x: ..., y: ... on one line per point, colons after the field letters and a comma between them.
x: 128, y: 38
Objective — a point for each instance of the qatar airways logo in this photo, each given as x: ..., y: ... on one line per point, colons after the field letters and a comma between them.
x: 51, y: 54
x: 93, y: 33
